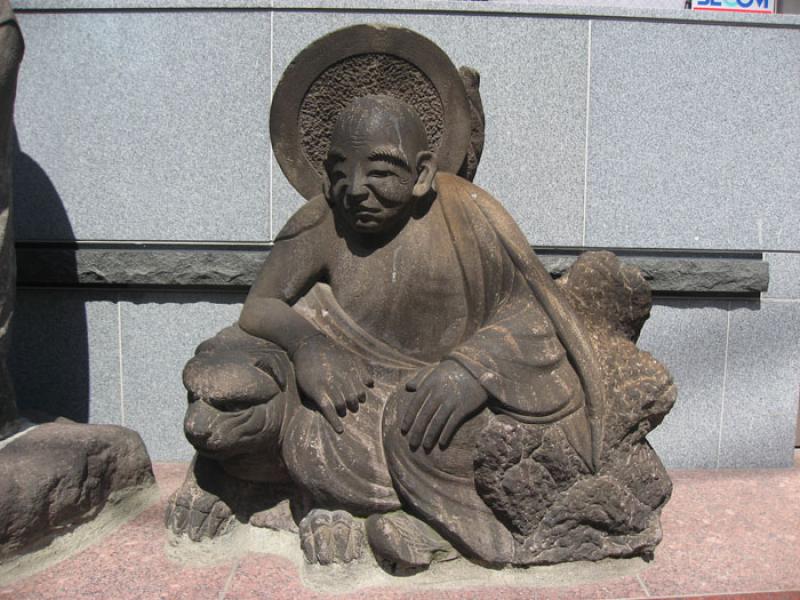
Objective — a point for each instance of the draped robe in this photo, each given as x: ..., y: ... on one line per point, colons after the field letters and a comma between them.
x: 516, y: 336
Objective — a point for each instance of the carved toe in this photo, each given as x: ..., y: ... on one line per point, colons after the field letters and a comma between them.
x: 403, y: 542
x: 197, y: 513
x: 331, y: 537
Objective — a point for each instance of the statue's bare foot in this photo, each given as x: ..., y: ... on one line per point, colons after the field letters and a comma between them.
x: 331, y: 537
x: 197, y: 513
x: 402, y: 542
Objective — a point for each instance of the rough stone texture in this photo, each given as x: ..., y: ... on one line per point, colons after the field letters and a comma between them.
x: 531, y: 476
x: 140, y: 268
x: 358, y: 76
x: 544, y: 193
x: 329, y: 537
x: 472, y: 84
x: 352, y: 63
x: 11, y: 49
x: 58, y: 475
x: 403, y: 356
x: 238, y: 267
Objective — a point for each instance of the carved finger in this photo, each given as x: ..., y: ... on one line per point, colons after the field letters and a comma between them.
x: 414, y: 404
x: 362, y: 396
x: 424, y: 417
x: 339, y: 397
x: 352, y: 397
x: 413, y: 384
x: 453, y: 423
x: 328, y: 410
x: 179, y: 518
x: 324, y: 543
x: 436, y: 425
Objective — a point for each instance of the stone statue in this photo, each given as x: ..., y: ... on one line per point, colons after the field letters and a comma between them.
x: 405, y: 372
x: 11, y: 50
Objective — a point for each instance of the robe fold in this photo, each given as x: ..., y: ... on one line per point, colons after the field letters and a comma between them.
x: 521, y: 342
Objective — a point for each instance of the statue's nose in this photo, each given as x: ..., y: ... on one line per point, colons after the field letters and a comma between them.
x: 358, y: 190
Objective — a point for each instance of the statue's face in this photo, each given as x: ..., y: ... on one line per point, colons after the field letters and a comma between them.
x: 371, y: 168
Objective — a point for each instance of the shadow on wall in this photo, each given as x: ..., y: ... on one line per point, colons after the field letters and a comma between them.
x: 50, y: 348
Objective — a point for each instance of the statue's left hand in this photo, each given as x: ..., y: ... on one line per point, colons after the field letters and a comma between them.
x: 444, y: 398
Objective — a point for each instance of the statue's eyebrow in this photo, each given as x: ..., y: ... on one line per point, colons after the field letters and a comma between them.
x: 391, y: 155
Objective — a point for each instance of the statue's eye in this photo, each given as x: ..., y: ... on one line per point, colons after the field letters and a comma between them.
x: 380, y: 173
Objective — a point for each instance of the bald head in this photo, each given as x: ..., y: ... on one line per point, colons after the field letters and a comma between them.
x: 373, y: 117
x: 378, y: 163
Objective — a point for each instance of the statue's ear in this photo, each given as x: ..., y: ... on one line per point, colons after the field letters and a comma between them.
x: 426, y: 171
x: 326, y: 186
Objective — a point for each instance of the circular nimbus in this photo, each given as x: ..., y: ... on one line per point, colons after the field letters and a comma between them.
x: 360, y: 61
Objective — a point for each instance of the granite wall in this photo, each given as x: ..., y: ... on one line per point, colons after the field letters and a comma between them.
x: 146, y: 122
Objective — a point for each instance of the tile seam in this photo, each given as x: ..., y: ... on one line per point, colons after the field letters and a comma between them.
x: 641, y: 583
x: 120, y: 362
x: 724, y: 384
x: 229, y: 580
x: 586, y: 129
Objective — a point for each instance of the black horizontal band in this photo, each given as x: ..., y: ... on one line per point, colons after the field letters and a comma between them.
x: 235, y: 266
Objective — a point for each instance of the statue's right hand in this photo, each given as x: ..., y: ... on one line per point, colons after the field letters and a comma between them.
x: 335, y: 380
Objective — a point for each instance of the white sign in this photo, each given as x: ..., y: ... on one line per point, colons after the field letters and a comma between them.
x: 741, y: 6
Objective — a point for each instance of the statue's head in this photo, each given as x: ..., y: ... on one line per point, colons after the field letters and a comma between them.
x: 378, y: 164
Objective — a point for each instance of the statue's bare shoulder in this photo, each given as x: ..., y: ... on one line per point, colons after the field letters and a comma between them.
x: 300, y: 256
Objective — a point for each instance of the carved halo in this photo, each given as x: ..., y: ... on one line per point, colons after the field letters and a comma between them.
x: 358, y: 61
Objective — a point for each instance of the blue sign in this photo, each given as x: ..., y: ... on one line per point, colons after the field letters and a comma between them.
x: 745, y: 6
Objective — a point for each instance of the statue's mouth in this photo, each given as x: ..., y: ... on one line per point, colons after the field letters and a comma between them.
x: 367, y: 216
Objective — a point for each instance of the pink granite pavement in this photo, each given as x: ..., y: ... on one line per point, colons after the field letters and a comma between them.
x: 727, y: 534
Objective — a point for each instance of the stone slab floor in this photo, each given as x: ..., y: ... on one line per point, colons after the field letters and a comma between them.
x: 727, y: 534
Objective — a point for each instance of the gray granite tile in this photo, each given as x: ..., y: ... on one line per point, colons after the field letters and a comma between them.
x: 144, y: 125
x: 159, y: 334
x: 692, y: 142
x: 533, y: 84
x: 65, y: 354
x: 784, y: 275
x: 688, y: 337
x: 762, y: 385
x: 621, y: 9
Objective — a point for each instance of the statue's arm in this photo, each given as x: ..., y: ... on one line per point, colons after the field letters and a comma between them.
x: 294, y: 265
x: 335, y: 381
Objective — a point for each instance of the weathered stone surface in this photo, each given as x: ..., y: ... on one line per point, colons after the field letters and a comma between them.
x: 217, y: 493
x: 402, y: 543
x: 404, y: 357
x: 532, y: 477
x: 237, y: 267
x: 329, y: 537
x: 11, y: 48
x: 58, y: 475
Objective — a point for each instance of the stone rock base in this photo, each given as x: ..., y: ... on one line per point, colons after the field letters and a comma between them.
x: 56, y: 476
